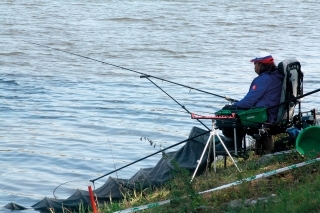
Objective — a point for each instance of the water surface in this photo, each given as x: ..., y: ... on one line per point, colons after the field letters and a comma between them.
x: 66, y: 118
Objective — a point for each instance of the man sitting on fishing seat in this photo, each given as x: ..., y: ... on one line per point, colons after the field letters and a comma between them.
x: 265, y: 91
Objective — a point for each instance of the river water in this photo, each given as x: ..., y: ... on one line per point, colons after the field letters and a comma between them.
x: 68, y: 118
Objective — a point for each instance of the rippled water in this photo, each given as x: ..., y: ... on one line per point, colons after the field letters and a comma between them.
x: 65, y: 118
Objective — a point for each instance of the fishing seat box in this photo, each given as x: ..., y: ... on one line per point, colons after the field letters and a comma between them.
x: 250, y: 118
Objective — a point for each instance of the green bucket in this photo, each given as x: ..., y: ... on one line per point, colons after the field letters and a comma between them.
x: 308, y: 141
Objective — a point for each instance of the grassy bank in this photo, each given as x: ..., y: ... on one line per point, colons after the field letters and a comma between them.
x: 297, y: 190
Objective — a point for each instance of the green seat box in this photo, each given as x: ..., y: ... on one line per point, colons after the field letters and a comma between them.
x: 253, y: 116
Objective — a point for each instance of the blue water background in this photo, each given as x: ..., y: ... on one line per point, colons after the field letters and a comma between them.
x: 66, y: 118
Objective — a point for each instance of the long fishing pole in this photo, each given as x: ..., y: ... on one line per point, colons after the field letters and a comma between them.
x: 150, y: 155
x: 131, y: 70
x: 147, y: 76
x: 293, y: 99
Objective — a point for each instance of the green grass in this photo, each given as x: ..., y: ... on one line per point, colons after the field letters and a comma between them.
x: 300, y: 197
x: 297, y: 190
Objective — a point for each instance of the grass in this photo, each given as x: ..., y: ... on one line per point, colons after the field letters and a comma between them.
x: 297, y: 190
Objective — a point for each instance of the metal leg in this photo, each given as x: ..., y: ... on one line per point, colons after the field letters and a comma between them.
x: 209, y: 153
x: 204, y: 150
x: 235, y: 141
x: 214, y: 152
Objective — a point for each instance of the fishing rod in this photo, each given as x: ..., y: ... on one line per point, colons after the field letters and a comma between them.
x: 162, y: 150
x: 131, y: 70
x: 293, y: 99
x: 143, y: 76
x: 147, y: 77
x: 231, y: 121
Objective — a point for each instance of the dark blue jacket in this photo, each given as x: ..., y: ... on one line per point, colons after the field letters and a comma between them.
x: 265, y: 91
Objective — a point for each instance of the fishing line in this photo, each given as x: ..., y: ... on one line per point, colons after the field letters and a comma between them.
x: 114, y: 163
x: 131, y: 70
x: 147, y: 77
x: 72, y: 181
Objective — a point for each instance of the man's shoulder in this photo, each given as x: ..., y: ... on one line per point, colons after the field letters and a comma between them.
x: 269, y: 75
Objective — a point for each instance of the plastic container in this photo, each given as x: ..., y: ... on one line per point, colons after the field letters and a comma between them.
x: 308, y: 141
x: 253, y: 116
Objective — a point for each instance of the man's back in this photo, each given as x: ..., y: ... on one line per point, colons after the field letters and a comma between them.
x: 265, y: 91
